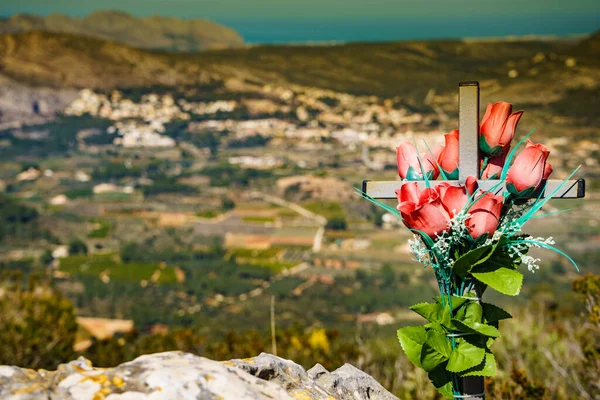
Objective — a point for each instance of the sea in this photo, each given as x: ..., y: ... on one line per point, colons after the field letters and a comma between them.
x: 324, y: 31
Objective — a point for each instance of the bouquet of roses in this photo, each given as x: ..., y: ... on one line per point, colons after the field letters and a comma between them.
x: 472, y: 240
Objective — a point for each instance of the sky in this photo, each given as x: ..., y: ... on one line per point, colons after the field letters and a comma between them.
x: 276, y: 21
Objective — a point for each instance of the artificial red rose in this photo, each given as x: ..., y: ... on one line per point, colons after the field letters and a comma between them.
x: 528, y: 170
x: 493, y: 169
x: 448, y: 158
x: 498, y: 128
x: 428, y: 215
x: 485, y: 215
x: 471, y: 184
x: 409, y: 191
x: 454, y: 198
x: 547, y: 167
x: 409, y: 166
x: 547, y: 170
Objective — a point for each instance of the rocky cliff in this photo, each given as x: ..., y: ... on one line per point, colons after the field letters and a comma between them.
x: 156, y: 32
x: 178, y: 375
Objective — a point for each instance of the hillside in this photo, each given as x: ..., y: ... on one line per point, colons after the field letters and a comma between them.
x: 156, y: 32
x: 64, y: 60
x: 387, y: 69
x: 398, y: 69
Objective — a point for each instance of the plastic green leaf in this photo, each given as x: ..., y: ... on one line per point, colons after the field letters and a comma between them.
x: 498, y: 259
x: 504, y: 280
x: 493, y: 313
x: 473, y: 313
x: 411, y: 339
x: 436, y: 350
x: 477, y: 327
x: 430, y: 311
x: 457, y: 302
x: 486, y: 368
x: 442, y: 380
x: 465, y: 356
x: 462, y: 266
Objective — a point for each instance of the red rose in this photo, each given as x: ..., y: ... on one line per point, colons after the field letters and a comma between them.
x: 485, y: 215
x: 409, y: 191
x: 428, y: 215
x: 493, y: 169
x: 528, y: 170
x: 454, y: 198
x: 498, y: 128
x: 448, y: 158
x: 409, y: 166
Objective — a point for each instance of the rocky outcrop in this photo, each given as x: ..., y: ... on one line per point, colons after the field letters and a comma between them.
x: 178, y: 375
x: 32, y: 104
x: 154, y: 32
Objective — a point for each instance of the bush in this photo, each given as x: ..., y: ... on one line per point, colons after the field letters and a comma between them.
x: 77, y: 247
x: 37, y: 325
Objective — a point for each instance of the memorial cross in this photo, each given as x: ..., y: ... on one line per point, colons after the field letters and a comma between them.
x: 469, y: 165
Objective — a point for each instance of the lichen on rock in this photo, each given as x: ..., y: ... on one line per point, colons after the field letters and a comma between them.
x: 183, y: 376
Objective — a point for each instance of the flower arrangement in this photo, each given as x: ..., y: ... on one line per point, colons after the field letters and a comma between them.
x: 472, y: 239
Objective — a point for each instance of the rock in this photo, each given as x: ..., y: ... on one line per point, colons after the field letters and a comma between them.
x: 349, y: 382
x: 182, y: 376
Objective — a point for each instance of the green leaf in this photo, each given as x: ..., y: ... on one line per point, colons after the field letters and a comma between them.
x: 477, y: 327
x: 442, y: 380
x: 465, y: 356
x: 411, y: 339
x: 464, y: 263
x: 500, y: 259
x: 493, y: 313
x: 432, y: 312
x: 486, y: 368
x: 457, y: 302
x: 504, y: 280
x: 473, y: 313
x: 436, y: 350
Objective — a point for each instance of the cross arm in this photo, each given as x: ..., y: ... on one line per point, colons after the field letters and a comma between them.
x: 573, y: 189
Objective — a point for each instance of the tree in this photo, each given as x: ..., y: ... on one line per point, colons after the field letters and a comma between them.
x: 78, y: 246
x: 227, y: 204
x: 46, y: 258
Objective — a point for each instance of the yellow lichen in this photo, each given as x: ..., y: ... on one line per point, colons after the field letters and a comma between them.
x: 27, y: 389
x: 208, y: 378
x: 118, y: 381
x: 302, y: 396
x: 98, y: 396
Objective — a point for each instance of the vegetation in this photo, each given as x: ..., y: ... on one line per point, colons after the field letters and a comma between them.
x: 37, y: 324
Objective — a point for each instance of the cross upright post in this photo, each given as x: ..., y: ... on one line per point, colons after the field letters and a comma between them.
x: 472, y: 388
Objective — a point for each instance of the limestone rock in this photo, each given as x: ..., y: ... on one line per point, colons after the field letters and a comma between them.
x: 182, y: 376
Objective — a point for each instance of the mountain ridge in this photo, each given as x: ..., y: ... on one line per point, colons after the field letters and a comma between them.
x: 154, y: 32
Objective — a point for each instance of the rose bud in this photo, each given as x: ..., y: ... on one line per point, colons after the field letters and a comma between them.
x: 485, y: 215
x: 428, y: 215
x: 527, y: 172
x: 408, y: 192
x: 454, y: 198
x: 409, y: 166
x: 498, y: 128
x: 493, y: 169
x: 448, y: 158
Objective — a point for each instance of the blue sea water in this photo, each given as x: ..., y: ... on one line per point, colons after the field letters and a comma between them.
x: 275, y: 31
